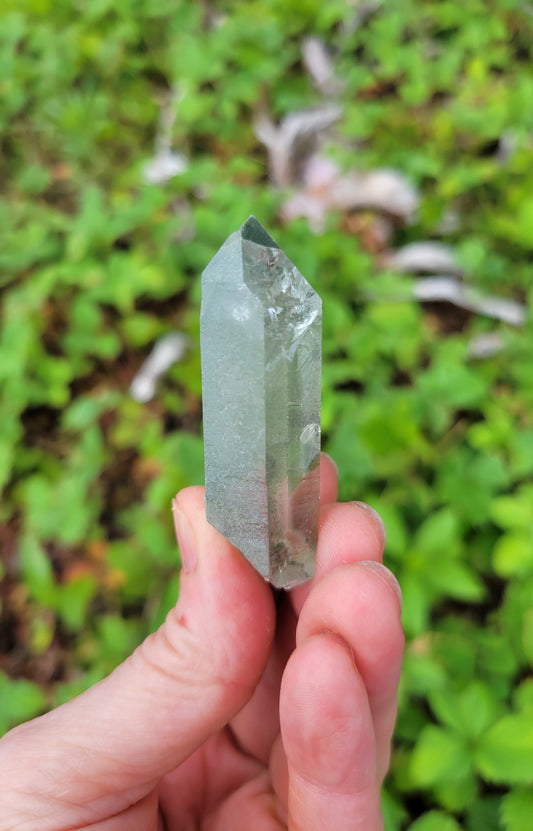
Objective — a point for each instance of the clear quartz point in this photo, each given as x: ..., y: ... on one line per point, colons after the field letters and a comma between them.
x: 260, y: 332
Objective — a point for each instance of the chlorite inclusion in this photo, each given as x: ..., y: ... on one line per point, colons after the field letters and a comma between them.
x: 260, y: 331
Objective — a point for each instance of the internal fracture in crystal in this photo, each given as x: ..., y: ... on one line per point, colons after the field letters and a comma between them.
x: 260, y: 330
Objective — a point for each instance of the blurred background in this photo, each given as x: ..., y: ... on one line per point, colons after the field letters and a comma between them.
x: 388, y: 148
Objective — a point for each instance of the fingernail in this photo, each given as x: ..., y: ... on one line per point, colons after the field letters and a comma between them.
x: 186, y: 540
x: 385, y: 574
x: 362, y: 506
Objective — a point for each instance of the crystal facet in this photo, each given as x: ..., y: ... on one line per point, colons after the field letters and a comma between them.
x: 260, y: 330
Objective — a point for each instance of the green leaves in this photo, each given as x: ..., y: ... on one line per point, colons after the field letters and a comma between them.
x: 505, y: 754
x: 433, y: 567
x: 439, y: 757
x: 475, y: 740
x: 513, y: 552
x: 69, y: 600
x: 469, y: 713
x: 435, y: 821
x: 19, y: 700
x: 37, y: 571
x: 517, y: 810
x: 63, y: 504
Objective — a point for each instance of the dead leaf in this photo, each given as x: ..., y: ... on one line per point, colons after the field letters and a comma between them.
x: 325, y: 188
x: 423, y: 258
x: 485, y: 345
x: 318, y: 63
x: 362, y: 12
x: 373, y: 230
x: 167, y: 351
x: 296, y: 138
x: 451, y: 290
x: 384, y: 189
x: 164, y: 166
x: 312, y: 202
x: 165, y: 163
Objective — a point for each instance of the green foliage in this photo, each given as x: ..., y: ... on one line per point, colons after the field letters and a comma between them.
x: 19, y: 700
x: 95, y: 265
x: 506, y: 752
x: 517, y: 810
x: 435, y: 821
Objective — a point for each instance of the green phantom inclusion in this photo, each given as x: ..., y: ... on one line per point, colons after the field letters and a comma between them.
x: 260, y: 331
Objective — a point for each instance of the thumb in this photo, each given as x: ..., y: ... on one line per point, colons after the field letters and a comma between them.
x: 183, y: 683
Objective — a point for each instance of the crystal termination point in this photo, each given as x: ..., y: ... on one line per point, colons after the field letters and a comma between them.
x: 260, y: 333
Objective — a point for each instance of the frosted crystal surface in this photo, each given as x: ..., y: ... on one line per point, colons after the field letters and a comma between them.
x: 260, y: 330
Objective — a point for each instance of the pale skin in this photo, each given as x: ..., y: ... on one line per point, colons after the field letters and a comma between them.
x: 242, y: 712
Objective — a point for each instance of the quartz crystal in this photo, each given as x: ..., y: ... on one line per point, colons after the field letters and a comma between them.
x: 260, y: 330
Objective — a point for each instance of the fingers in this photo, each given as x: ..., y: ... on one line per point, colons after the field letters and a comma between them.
x: 349, y: 532
x: 328, y: 479
x: 338, y: 699
x: 329, y: 740
x: 361, y: 604
x: 111, y: 745
x: 338, y: 693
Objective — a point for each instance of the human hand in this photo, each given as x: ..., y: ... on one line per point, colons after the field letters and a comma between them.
x: 234, y: 714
